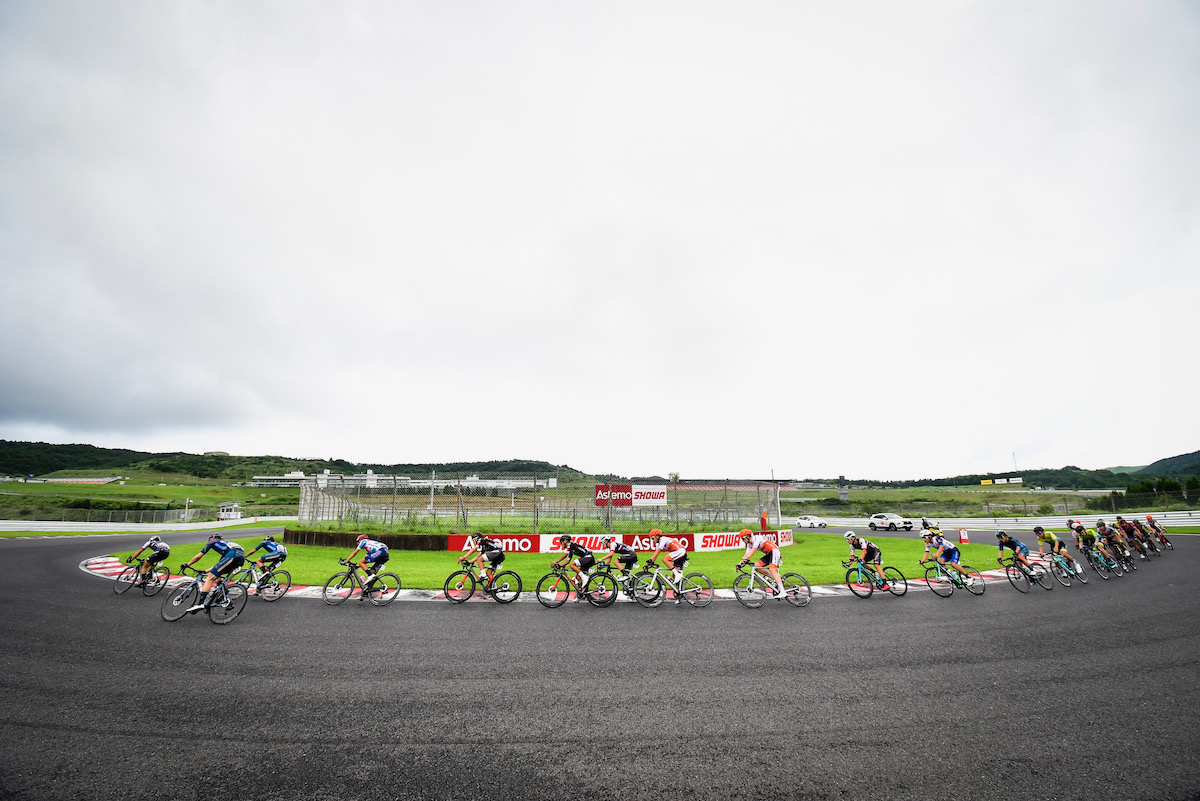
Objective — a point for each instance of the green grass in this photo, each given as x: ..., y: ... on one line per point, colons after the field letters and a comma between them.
x: 817, y: 557
x: 260, y: 524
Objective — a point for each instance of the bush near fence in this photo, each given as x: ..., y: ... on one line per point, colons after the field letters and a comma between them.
x: 349, y: 540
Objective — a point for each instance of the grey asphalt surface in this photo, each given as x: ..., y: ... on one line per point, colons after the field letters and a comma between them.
x: 1081, y: 692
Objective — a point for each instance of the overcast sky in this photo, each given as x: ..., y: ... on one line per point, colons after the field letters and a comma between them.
x: 878, y: 239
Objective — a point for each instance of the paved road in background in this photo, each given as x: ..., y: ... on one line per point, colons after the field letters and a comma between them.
x: 1082, y: 692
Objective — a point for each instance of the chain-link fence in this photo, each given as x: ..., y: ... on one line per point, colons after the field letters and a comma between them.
x: 532, y: 503
x: 71, y: 515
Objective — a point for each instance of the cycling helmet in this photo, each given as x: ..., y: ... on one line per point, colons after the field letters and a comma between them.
x: 1099, y: 523
x: 564, y: 539
x: 746, y: 534
x: 214, y: 537
x: 1149, y: 517
x: 361, y: 537
x: 849, y: 535
x: 605, y: 540
x: 1001, y: 535
x: 269, y: 538
x: 656, y: 532
x: 1119, y: 518
x: 478, y: 535
x: 926, y: 534
x: 1039, y: 530
x: 155, y: 538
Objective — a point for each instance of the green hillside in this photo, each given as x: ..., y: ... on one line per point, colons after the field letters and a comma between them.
x: 1188, y: 463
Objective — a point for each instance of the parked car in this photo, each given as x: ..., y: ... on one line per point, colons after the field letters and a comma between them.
x: 810, y: 521
x: 889, y: 521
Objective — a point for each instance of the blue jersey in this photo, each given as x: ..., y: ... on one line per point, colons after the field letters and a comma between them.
x: 271, y: 547
x: 372, y: 547
x: 223, y: 547
x: 1016, y: 545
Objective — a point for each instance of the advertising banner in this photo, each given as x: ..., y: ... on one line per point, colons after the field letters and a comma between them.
x: 511, y: 543
x: 548, y: 543
x: 631, y: 495
x: 726, y: 541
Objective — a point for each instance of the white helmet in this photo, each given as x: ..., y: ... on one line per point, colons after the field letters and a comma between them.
x: 849, y: 535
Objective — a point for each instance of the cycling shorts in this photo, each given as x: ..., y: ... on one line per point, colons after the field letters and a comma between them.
x: 627, y: 559
x: 379, y: 559
x: 228, y: 563
x: 584, y: 562
x: 771, y: 557
x: 675, y: 556
x: 157, y: 556
x: 274, y: 559
x: 1058, y: 546
x: 873, y: 555
x: 495, y: 557
x: 950, y: 557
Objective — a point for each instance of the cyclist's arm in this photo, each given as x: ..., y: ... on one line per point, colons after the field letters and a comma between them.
x: 350, y: 558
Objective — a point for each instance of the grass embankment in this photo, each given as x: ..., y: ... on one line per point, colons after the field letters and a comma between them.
x: 817, y: 557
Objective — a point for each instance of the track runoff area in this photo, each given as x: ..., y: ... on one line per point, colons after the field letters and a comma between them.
x: 109, y: 567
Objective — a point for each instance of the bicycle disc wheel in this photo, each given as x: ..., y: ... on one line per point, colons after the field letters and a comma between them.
x: 897, y: 584
x: 275, y: 585
x: 859, y: 585
x: 749, y: 592
x: 176, y: 604
x: 796, y: 589
x: 383, y: 589
x: 125, y: 580
x: 338, y: 589
x: 505, y: 587
x: 696, y: 589
x: 601, y: 590
x: 230, y: 606
x: 939, y: 581
x: 648, y: 590
x: 1017, y: 578
x: 459, y: 586
x: 973, y: 581
x: 156, y: 579
x: 1060, y: 572
x: 553, y: 590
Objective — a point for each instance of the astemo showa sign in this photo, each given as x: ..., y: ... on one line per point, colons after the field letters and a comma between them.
x: 631, y: 495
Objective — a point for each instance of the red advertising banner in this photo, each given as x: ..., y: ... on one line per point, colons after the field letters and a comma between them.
x: 511, y: 543
x: 614, y: 494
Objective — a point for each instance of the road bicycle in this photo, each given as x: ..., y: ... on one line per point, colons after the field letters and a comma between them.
x: 151, y: 583
x: 863, y: 581
x: 1023, y: 577
x: 1064, y: 571
x: 942, y: 580
x: 555, y: 588
x: 1103, y: 565
x: 1161, y: 536
x: 379, y: 588
x: 504, y: 587
x: 225, y: 601
x: 605, y: 585
x: 1151, y: 544
x: 1122, y: 555
x: 652, y: 585
x: 753, y: 588
x: 270, y: 584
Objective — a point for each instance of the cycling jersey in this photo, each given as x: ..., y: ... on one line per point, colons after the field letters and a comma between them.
x: 763, y: 543
x: 271, y: 547
x: 158, y: 546
x: 1016, y: 545
x: 1086, y: 538
x: 621, y: 549
x: 949, y: 549
x: 223, y: 547
x: 487, y: 544
x: 673, y: 547
x: 858, y: 543
x: 1048, y: 537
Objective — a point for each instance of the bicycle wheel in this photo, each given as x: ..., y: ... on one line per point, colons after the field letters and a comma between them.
x: 176, y: 604
x: 1128, y: 564
x: 156, y: 579
x: 553, y: 590
x: 245, y: 577
x: 897, y: 584
x: 939, y: 581
x: 1017, y: 578
x: 230, y: 605
x: 1041, y: 575
x: 384, y: 589
x: 601, y: 590
x: 459, y: 586
x: 858, y: 583
x: 1167, y: 542
x: 648, y: 590
x: 275, y: 585
x: 796, y: 589
x: 338, y: 589
x: 750, y: 592
x: 1060, y: 573
x: 127, y: 578
x: 1080, y: 574
x: 505, y: 587
x: 973, y: 581
x: 1098, y: 564
x: 696, y: 589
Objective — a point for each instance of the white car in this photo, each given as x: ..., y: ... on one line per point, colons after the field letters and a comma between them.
x: 889, y: 521
x: 810, y: 521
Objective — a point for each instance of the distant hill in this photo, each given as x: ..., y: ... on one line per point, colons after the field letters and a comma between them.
x: 1124, y: 470
x: 1188, y: 463
x: 40, y: 459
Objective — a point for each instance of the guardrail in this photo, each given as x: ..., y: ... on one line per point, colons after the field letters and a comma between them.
x: 1167, y: 519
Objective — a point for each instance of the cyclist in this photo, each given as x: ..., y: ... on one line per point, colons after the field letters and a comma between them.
x: 771, y: 559
x: 578, y: 558
x: 1019, y: 549
x: 1086, y: 539
x: 1056, y: 546
x: 1156, y: 529
x: 946, y: 553
x: 620, y: 552
x: 274, y: 553
x: 231, y: 557
x: 871, y: 555
x: 1131, y: 535
x: 1113, y: 539
x: 159, y: 551
x: 675, y: 557
x: 487, y: 550
x: 375, y: 556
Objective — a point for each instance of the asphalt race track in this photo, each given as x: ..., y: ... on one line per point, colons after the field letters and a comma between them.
x: 1081, y: 692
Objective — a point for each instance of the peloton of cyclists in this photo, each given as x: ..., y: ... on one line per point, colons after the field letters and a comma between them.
x: 771, y: 559
x: 1132, y: 536
x: 1086, y: 539
x: 1114, y: 539
x: 1056, y: 546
